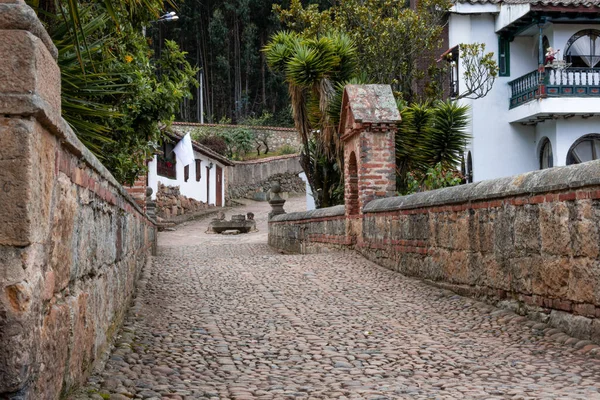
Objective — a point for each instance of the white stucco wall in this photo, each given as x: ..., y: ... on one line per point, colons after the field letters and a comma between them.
x: 501, y: 148
x: 498, y: 148
x: 563, y: 133
x: 310, y: 200
x: 192, y: 188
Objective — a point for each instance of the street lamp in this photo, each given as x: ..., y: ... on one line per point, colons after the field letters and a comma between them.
x: 170, y: 16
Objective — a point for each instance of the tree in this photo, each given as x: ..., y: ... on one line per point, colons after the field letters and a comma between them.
x: 313, y: 67
x: 395, y: 43
x: 223, y: 38
x: 111, y: 94
x: 480, y: 70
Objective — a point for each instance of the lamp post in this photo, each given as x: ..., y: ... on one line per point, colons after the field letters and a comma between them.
x: 170, y: 16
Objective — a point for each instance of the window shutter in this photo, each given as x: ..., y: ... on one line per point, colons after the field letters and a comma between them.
x: 503, y: 56
x: 186, y: 173
x: 198, y: 170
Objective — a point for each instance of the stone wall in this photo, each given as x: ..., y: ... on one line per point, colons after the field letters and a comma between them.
x: 72, y: 241
x: 252, y: 179
x: 171, y: 203
x: 278, y: 137
x: 529, y: 242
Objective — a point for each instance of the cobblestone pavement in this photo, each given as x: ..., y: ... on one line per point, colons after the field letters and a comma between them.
x: 227, y: 317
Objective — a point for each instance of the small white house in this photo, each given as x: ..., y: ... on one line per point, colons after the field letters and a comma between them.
x: 540, y: 112
x: 203, y: 181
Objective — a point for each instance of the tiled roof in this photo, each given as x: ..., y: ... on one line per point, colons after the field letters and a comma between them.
x: 202, y: 149
x: 585, y: 3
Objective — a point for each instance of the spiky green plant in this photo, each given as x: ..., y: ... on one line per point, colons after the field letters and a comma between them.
x: 447, y: 134
x: 430, y: 136
x: 313, y: 67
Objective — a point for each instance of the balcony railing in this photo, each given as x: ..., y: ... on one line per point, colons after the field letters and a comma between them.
x: 524, y: 89
x: 568, y: 82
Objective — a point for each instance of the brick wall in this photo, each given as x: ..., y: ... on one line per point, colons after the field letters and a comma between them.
x: 138, y: 190
x: 72, y: 241
x: 529, y: 242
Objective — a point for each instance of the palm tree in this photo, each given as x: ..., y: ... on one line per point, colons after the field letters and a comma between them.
x: 313, y: 68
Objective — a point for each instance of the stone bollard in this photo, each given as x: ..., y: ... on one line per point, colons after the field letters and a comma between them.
x: 276, y: 201
x: 150, y: 204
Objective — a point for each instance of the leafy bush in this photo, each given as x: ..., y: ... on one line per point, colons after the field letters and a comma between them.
x: 215, y: 143
x: 287, y: 149
x: 434, y: 178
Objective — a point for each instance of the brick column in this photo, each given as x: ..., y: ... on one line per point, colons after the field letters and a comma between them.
x: 368, y: 127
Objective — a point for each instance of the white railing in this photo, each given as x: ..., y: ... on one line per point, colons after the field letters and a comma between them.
x: 573, y: 77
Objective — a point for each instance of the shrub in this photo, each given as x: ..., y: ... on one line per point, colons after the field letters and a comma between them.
x: 287, y: 149
x: 215, y: 143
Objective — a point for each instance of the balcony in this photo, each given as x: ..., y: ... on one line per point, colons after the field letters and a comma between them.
x: 550, y: 82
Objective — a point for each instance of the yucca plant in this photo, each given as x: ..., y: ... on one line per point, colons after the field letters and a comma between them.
x: 313, y: 67
x: 447, y: 134
x: 430, y: 137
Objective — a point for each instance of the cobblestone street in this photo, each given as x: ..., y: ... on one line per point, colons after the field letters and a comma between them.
x: 227, y: 317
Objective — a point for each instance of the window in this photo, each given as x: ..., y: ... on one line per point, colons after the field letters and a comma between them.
x: 166, y: 162
x: 503, y: 56
x: 587, y: 148
x: 453, y: 60
x: 451, y: 57
x: 186, y: 173
x: 198, y: 170
x: 583, y: 49
x: 546, y: 157
x: 469, y: 175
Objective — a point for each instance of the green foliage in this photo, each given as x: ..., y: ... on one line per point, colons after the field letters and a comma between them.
x: 314, y: 67
x: 117, y: 103
x: 394, y: 42
x: 435, y: 177
x: 427, y: 136
x: 287, y: 149
x: 480, y: 70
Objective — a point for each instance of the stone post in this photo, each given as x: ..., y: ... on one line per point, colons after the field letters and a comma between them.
x: 276, y: 201
x: 368, y: 126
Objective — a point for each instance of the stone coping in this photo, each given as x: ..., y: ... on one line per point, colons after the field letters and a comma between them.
x: 16, y: 15
x: 336, y: 211
x: 260, y: 128
x: 542, y: 181
x: 267, y: 159
x: 34, y: 106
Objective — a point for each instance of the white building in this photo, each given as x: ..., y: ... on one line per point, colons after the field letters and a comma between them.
x: 539, y: 113
x: 203, y: 181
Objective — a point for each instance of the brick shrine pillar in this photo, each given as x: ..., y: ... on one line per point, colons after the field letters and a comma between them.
x: 368, y: 127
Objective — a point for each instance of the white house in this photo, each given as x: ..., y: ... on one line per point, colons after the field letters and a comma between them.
x: 202, y: 181
x: 540, y: 113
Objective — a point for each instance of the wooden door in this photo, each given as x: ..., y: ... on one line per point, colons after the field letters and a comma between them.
x: 219, y: 187
x: 207, y: 185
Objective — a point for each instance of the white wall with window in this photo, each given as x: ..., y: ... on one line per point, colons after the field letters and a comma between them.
x: 497, y: 148
x: 566, y: 134
x: 583, y: 45
x: 201, y: 179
